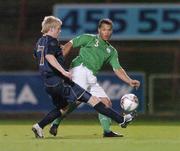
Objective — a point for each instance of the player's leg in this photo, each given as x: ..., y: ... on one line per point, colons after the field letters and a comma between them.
x: 55, y: 124
x: 58, y: 102
x: 97, y: 90
x: 79, y: 77
x: 78, y: 93
x: 106, y: 121
x: 123, y: 121
x: 38, y: 127
x: 84, y: 96
x: 71, y: 107
x: 85, y: 78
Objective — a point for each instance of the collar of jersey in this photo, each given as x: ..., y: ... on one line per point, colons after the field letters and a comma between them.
x: 103, y: 41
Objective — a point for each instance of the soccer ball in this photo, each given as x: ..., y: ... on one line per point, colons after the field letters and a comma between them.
x: 129, y: 102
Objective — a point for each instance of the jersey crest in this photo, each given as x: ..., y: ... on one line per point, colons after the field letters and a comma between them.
x: 108, y: 50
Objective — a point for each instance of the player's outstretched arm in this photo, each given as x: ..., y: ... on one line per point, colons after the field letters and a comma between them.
x: 66, y: 48
x: 121, y: 73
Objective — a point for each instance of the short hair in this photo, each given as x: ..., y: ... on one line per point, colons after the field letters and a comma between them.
x: 50, y: 22
x: 105, y: 21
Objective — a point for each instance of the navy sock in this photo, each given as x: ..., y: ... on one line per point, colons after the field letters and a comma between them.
x: 101, y: 108
x: 49, y: 118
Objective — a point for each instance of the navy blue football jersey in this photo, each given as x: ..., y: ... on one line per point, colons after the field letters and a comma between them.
x: 60, y: 88
x: 49, y: 45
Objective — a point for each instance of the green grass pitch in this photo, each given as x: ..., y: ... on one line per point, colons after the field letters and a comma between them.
x: 80, y: 135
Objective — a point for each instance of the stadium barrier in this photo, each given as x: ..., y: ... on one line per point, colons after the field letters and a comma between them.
x: 24, y: 92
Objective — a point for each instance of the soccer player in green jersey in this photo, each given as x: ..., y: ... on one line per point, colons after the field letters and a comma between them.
x: 95, y: 51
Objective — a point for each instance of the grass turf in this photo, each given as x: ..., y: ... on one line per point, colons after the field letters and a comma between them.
x: 80, y: 135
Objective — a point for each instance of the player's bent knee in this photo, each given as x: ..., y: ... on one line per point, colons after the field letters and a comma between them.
x: 93, y: 101
x: 62, y: 111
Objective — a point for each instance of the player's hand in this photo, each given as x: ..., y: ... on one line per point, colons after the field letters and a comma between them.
x: 61, y: 46
x: 67, y: 74
x: 134, y: 83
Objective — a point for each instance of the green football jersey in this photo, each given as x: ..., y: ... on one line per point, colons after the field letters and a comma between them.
x: 94, y: 53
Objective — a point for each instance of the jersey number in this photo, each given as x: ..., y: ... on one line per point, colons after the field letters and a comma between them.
x: 41, y: 49
x: 97, y: 43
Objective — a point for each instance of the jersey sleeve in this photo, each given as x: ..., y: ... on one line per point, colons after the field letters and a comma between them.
x: 81, y: 40
x: 114, y: 61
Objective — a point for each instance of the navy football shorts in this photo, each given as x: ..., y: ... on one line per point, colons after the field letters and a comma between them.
x: 66, y: 92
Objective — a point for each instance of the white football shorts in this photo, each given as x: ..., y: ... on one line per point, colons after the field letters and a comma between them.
x: 85, y: 78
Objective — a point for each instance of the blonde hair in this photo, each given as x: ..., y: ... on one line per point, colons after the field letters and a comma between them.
x: 50, y: 22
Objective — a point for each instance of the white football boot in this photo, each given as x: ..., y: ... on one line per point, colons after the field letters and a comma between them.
x: 128, y: 118
x: 37, y: 131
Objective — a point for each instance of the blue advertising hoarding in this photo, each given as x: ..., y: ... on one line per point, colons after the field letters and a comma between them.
x: 24, y: 92
x: 131, y: 21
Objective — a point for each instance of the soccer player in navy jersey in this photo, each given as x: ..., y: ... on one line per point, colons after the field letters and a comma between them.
x: 57, y: 80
